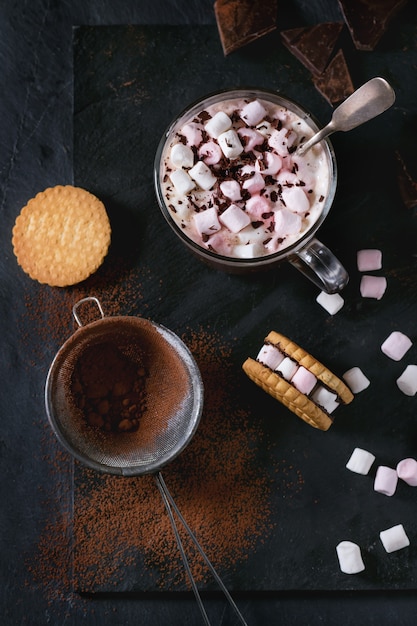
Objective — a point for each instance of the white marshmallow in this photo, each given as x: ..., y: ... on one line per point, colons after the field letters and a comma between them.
x: 369, y: 260
x: 287, y: 368
x: 360, y: 461
x: 248, y: 250
x: 206, y: 222
x: 287, y: 222
x: 350, y: 557
x: 273, y: 163
x: 270, y: 356
x: 182, y: 181
x: 202, y: 175
x: 253, y: 112
x: 218, y: 124
x: 332, y: 302
x: 407, y: 471
x: 231, y: 189
x: 356, y: 380
x: 386, y: 480
x: 325, y: 399
x: 296, y: 199
x: 407, y: 382
x: 303, y: 380
x: 396, y: 345
x: 394, y: 538
x: 230, y: 144
x: 373, y: 286
x: 281, y: 140
x: 182, y: 156
x: 234, y: 218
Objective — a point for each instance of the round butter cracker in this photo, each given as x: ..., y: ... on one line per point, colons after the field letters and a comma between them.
x: 61, y: 236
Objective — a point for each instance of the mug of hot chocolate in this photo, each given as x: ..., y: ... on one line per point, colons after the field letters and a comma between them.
x: 230, y: 183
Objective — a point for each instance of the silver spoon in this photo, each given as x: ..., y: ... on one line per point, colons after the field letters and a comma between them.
x: 373, y: 98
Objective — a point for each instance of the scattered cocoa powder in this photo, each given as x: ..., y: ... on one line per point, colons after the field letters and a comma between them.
x: 119, y: 525
x: 217, y: 483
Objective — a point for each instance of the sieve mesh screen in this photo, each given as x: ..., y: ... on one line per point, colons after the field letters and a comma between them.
x: 174, y: 397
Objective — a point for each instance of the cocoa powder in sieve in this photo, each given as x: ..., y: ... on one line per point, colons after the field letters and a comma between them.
x: 109, y: 388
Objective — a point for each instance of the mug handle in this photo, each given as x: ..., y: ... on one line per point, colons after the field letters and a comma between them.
x: 320, y: 266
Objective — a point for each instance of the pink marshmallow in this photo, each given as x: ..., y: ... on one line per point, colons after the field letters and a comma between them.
x: 386, y: 480
x: 234, y: 218
x: 207, y: 222
x: 252, y: 138
x: 373, y: 286
x: 257, y: 206
x: 254, y: 184
x: 193, y: 133
x: 253, y: 113
x: 287, y: 222
x: 210, y: 153
x: 270, y: 356
x: 407, y: 471
x: 369, y: 260
x: 396, y: 345
x: 303, y: 380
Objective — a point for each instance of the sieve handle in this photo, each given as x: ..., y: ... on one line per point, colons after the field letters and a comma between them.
x: 83, y: 301
x: 170, y: 505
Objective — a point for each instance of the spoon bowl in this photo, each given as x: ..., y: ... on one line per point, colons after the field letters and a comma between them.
x: 370, y: 100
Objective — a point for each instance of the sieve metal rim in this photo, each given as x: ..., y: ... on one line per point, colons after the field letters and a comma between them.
x: 189, y: 363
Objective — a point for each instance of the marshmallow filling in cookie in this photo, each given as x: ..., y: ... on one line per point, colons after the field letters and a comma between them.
x: 297, y: 375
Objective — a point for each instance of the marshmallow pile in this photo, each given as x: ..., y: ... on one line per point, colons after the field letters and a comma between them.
x: 385, y: 482
x: 233, y: 183
x: 302, y: 379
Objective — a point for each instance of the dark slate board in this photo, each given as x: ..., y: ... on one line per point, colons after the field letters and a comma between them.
x: 129, y: 82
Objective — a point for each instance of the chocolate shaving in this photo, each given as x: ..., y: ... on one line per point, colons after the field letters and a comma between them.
x: 242, y: 21
x: 367, y: 20
x: 313, y: 45
x: 335, y: 83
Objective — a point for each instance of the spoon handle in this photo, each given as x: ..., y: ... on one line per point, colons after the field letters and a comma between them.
x: 324, y: 132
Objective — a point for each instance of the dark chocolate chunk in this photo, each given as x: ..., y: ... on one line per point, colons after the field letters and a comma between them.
x: 367, y: 20
x: 406, y: 183
x: 243, y: 21
x: 313, y: 45
x: 335, y: 83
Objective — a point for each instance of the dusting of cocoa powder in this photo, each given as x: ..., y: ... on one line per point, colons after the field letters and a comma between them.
x: 217, y: 483
x: 114, y: 532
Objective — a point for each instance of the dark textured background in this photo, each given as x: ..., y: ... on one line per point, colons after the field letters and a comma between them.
x: 37, y: 151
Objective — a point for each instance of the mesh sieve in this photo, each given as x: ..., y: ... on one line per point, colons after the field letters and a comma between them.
x: 174, y: 397
x: 174, y: 403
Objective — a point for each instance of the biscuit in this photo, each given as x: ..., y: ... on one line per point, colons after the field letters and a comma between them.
x: 61, y: 236
x: 286, y: 393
